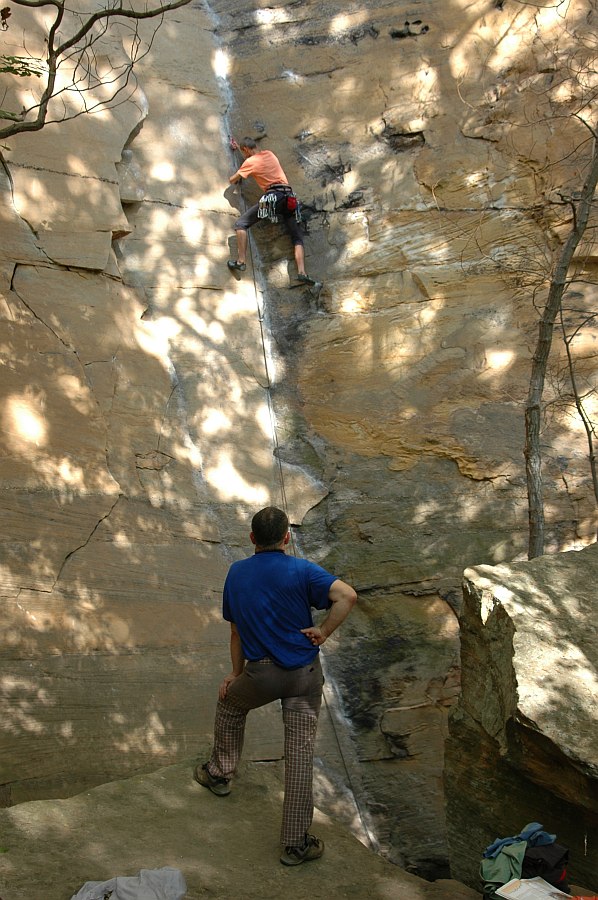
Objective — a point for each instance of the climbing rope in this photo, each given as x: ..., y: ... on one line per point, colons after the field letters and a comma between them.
x: 267, y: 368
x: 330, y: 698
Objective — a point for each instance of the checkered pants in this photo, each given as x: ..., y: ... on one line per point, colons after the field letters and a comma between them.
x: 300, y: 693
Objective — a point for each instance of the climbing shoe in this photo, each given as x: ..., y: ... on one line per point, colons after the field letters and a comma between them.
x: 219, y: 786
x: 235, y: 266
x: 312, y: 848
x: 305, y: 279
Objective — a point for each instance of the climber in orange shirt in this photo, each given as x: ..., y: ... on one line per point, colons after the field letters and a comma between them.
x: 278, y: 201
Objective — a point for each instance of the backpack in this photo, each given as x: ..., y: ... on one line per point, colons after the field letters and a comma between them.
x: 548, y: 862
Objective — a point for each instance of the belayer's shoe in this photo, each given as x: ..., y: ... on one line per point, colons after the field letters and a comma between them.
x: 305, y: 279
x: 312, y: 848
x: 235, y: 266
x: 219, y: 786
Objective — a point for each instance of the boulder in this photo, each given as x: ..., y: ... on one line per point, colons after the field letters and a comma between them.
x: 523, y: 739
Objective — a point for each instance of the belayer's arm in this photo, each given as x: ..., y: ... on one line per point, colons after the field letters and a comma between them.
x: 237, y: 661
x: 343, y: 599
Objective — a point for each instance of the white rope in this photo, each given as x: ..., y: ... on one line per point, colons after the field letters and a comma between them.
x: 330, y: 696
x: 269, y: 382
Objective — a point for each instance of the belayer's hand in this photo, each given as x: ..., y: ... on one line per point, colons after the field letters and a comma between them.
x: 315, y: 635
x: 223, y: 689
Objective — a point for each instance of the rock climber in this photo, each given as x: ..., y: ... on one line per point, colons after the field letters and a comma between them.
x: 274, y: 648
x: 278, y: 198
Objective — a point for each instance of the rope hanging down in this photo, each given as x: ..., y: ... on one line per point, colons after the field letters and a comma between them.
x: 331, y: 702
x: 267, y: 369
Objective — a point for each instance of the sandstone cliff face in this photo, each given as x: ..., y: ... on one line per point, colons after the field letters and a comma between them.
x: 403, y: 386
x: 523, y: 736
x: 135, y: 429
x: 142, y: 420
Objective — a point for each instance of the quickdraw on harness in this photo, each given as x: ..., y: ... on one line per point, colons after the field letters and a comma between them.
x: 268, y: 202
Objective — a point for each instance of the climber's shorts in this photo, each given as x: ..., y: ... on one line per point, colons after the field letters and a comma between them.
x: 249, y: 218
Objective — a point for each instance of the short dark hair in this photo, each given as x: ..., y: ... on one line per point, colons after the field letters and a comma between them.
x: 248, y: 142
x: 269, y: 526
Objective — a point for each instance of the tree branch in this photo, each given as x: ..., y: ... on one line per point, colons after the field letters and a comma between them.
x: 57, y: 52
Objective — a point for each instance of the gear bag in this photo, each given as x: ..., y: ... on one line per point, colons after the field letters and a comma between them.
x: 549, y: 862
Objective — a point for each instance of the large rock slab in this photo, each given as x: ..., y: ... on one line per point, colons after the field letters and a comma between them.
x: 223, y: 848
x: 523, y: 738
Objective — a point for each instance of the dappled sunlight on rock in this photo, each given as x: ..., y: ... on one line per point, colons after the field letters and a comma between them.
x: 24, y: 697
x: 221, y: 63
x: 497, y: 360
x: 229, y: 485
x: 165, y: 817
x: 263, y: 418
x: 342, y: 22
x: 154, y: 337
x: 153, y: 399
x: 24, y: 423
x: 149, y: 737
x: 216, y: 422
x: 163, y: 171
x: 130, y: 524
x: 234, y: 304
x: 211, y: 329
x: 354, y: 304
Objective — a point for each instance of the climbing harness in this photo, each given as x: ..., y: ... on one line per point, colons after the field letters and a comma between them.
x: 271, y: 204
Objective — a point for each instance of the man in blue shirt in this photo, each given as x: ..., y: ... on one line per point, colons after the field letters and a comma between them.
x: 274, y: 649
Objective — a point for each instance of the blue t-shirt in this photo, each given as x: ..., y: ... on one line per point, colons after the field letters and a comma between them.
x: 269, y: 596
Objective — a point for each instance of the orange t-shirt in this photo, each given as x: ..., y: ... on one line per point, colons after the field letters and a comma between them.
x: 264, y: 167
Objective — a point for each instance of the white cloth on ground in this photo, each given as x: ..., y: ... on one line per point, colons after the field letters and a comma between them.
x: 150, y: 884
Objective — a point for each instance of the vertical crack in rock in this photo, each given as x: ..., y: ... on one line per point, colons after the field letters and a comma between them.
x: 329, y: 167
x: 167, y: 404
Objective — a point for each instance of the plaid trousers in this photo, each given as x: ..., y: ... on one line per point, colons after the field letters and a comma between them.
x: 300, y: 693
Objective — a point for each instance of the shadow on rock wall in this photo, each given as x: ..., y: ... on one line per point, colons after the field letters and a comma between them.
x: 427, y: 191
x: 136, y: 435
x: 137, y: 424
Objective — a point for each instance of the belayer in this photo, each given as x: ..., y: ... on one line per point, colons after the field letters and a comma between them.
x: 275, y: 656
x: 277, y: 202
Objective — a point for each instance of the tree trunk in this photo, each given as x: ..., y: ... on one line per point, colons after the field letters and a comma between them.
x: 533, y: 409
